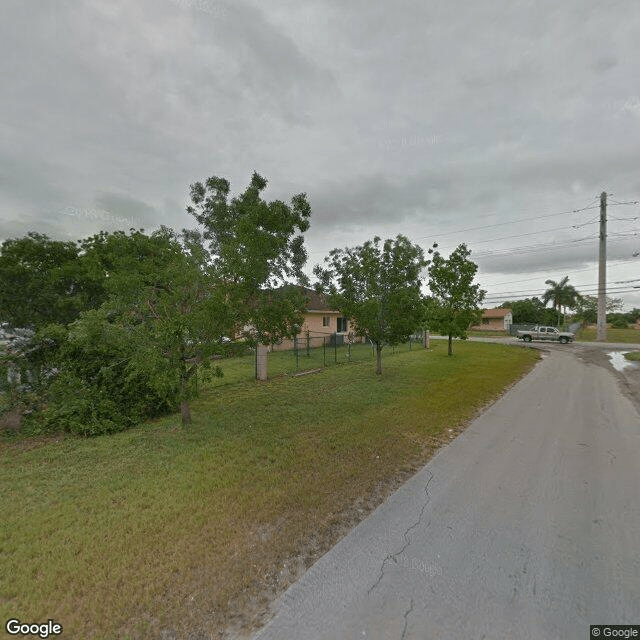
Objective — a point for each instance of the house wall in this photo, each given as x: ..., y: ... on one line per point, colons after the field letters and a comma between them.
x: 317, y: 331
x: 495, y: 324
x: 490, y: 324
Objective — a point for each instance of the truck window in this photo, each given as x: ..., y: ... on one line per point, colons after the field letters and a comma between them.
x: 543, y: 329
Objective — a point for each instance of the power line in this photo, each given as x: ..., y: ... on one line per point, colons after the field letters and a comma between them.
x: 533, y: 233
x: 544, y: 246
x: 591, y: 291
x: 539, y: 277
x: 506, y: 222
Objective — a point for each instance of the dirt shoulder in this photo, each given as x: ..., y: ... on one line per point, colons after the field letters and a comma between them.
x: 629, y: 377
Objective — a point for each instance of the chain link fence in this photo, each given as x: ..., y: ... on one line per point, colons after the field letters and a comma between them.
x: 308, y: 353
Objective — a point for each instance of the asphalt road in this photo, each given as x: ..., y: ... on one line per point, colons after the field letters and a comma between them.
x: 526, y: 526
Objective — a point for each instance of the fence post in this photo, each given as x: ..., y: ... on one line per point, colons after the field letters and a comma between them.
x: 261, y: 362
x: 324, y: 350
x: 335, y: 348
x: 297, y: 351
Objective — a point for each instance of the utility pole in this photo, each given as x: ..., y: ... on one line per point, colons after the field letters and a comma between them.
x: 601, y: 335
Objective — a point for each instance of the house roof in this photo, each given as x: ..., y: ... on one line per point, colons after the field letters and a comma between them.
x: 317, y: 301
x: 495, y: 313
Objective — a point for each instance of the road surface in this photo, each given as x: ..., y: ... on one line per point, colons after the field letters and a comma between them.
x: 525, y: 526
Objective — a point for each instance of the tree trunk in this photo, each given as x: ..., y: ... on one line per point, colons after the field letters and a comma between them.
x: 450, y: 344
x: 378, y: 360
x: 185, y: 412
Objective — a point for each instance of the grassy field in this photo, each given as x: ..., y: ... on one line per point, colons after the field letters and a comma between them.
x: 159, y: 532
x: 633, y: 356
x: 588, y: 334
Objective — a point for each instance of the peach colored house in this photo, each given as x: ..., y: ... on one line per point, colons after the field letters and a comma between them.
x: 321, y: 323
x: 495, y: 320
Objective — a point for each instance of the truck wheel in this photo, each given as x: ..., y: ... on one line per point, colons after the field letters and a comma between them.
x: 526, y: 338
x: 564, y: 340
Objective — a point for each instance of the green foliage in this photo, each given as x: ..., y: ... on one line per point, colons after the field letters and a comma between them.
x: 94, y: 385
x: 137, y: 355
x: 454, y: 302
x: 633, y: 315
x: 587, y: 307
x: 126, y: 321
x: 619, y: 322
x: 42, y: 281
x: 377, y: 287
x: 530, y: 311
x: 561, y: 294
x: 255, y: 246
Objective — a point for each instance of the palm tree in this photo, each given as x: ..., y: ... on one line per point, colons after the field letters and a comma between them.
x: 562, y: 295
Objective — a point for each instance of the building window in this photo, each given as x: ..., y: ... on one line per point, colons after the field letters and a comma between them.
x: 326, y: 321
x: 485, y: 321
x: 342, y: 325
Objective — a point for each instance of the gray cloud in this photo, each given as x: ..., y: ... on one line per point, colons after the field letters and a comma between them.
x: 424, y: 119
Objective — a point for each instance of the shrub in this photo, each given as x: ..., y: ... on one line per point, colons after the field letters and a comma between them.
x: 619, y: 323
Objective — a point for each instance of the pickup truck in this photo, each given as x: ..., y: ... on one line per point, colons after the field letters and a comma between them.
x: 544, y: 333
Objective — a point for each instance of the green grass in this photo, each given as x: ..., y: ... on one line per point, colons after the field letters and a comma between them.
x: 162, y: 528
x: 632, y: 355
x: 286, y: 363
x: 588, y: 334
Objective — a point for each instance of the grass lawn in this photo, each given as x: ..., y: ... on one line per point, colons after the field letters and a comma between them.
x: 633, y: 355
x: 588, y: 334
x: 159, y: 532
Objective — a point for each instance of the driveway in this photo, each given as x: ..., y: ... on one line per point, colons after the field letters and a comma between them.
x: 525, y: 526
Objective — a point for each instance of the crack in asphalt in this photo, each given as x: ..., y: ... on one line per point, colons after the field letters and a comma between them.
x: 405, y: 535
x: 406, y: 620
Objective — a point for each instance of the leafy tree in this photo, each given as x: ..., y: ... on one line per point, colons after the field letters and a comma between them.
x: 161, y: 290
x: 619, y: 321
x: 454, y: 302
x: 587, y: 307
x: 377, y: 286
x: 42, y: 281
x: 530, y: 311
x: 136, y: 355
x: 561, y: 294
x: 256, y: 247
x: 633, y: 315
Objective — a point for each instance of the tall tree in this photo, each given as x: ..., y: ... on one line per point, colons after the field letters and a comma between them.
x: 376, y: 286
x: 454, y: 302
x: 562, y: 294
x: 256, y: 247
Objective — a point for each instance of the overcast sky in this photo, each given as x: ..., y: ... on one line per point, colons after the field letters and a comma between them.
x: 486, y: 122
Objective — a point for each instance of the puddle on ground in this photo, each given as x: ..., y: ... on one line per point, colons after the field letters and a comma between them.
x: 618, y: 360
